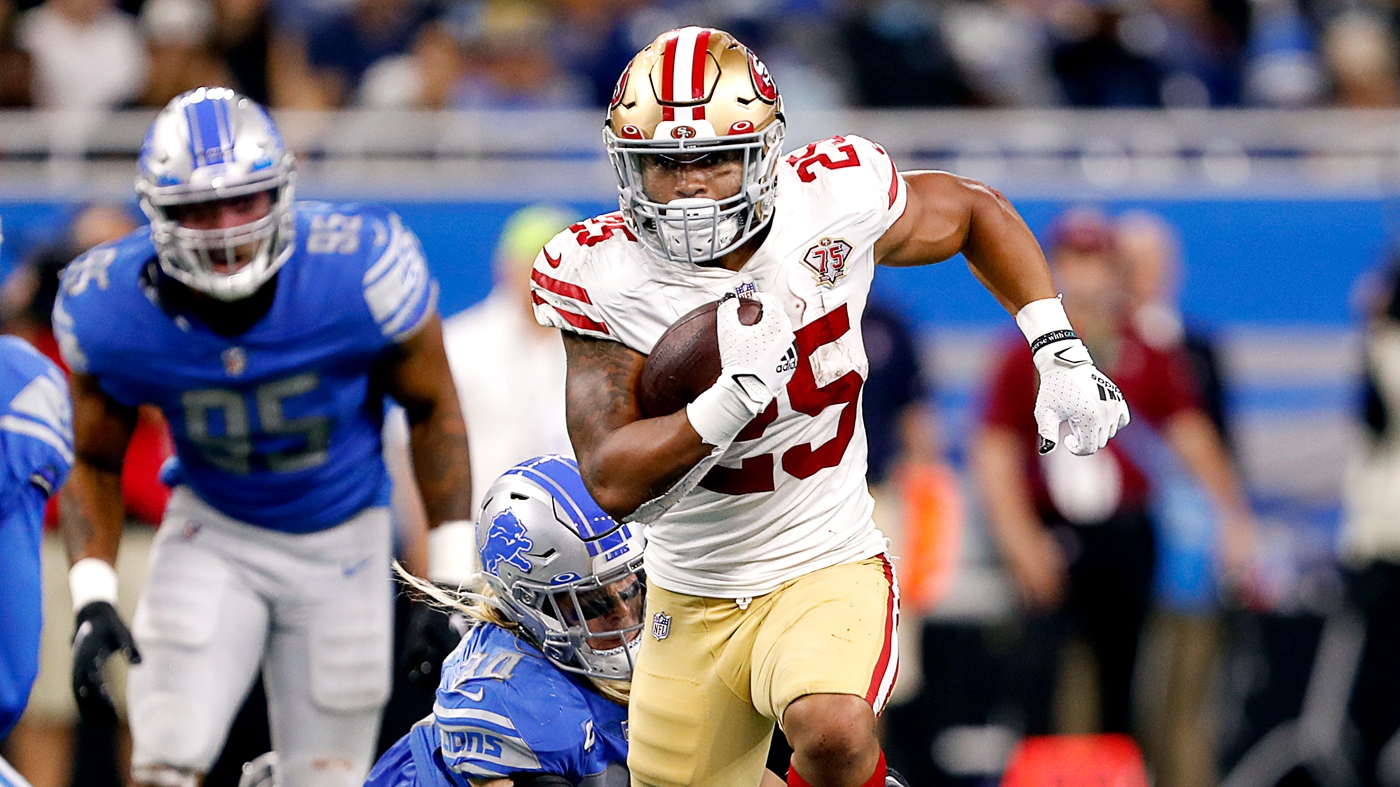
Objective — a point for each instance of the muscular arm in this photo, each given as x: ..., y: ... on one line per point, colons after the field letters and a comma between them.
x: 946, y: 214
x: 418, y: 378
x: 625, y: 460
x: 91, y: 510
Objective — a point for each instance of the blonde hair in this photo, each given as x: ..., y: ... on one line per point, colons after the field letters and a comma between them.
x: 480, y: 601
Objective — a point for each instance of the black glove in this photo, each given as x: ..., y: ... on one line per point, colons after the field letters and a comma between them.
x: 98, y: 633
x: 540, y: 780
x: 429, y: 639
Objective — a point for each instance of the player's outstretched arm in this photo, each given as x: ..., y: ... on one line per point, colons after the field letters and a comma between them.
x: 92, y: 508
x: 90, y: 519
x: 945, y: 215
x: 625, y: 460
x: 419, y: 379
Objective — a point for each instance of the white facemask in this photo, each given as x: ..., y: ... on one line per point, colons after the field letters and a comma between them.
x: 615, y: 661
x: 691, y: 228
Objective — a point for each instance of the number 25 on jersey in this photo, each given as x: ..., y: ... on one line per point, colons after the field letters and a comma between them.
x: 756, y: 473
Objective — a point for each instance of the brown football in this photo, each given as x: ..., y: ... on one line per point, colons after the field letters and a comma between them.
x: 685, y: 360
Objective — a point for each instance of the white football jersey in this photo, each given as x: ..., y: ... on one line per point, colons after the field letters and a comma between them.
x: 789, y: 495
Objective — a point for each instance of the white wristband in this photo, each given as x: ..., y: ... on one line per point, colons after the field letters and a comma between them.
x: 721, y: 411
x: 1043, y: 318
x: 452, y: 552
x: 92, y: 579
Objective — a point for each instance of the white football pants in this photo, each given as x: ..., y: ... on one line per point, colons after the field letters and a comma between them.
x: 224, y: 598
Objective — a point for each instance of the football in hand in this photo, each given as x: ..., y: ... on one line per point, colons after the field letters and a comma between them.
x: 685, y: 361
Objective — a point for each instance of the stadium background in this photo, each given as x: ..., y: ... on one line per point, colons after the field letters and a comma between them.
x: 1262, y: 131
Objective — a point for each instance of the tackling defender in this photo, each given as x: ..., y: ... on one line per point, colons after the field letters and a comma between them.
x: 770, y: 598
x: 538, y: 687
x: 268, y: 331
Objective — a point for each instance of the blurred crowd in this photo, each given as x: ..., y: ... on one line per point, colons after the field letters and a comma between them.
x: 317, y: 54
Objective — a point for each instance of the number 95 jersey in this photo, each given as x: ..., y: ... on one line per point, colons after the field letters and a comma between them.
x: 277, y: 426
x: 789, y: 496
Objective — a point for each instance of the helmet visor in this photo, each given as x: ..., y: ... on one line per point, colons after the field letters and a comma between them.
x: 718, y: 175
x: 607, y: 615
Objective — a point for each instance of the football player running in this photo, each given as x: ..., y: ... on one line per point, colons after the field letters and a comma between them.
x: 536, y: 693
x: 36, y: 451
x: 769, y: 595
x: 268, y: 331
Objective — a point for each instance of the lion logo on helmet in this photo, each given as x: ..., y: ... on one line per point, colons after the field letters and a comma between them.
x: 506, y: 542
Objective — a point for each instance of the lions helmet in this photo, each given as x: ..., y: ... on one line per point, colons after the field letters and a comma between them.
x: 566, y: 571
x: 210, y: 144
x: 695, y: 92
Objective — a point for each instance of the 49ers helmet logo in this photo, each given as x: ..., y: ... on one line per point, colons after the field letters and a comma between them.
x: 683, y: 132
x: 827, y: 259
x: 762, y: 81
x: 620, y: 88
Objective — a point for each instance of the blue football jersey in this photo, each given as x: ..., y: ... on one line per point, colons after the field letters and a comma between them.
x: 503, y: 708
x: 36, y: 451
x: 278, y: 426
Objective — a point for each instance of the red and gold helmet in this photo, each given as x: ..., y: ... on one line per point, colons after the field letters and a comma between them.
x: 695, y: 92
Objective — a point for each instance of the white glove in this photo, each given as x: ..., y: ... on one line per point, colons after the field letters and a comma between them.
x: 756, y: 362
x: 1072, y: 389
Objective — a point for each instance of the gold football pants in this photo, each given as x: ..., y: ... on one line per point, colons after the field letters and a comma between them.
x: 713, y: 677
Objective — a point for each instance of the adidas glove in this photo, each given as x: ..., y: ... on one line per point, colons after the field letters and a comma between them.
x: 1072, y: 389
x: 756, y: 363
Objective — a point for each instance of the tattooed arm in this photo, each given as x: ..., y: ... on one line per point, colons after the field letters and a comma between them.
x: 91, y: 521
x: 625, y: 460
x: 419, y: 379
x: 91, y: 510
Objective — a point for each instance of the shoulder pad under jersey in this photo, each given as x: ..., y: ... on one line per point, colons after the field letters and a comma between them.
x: 382, y: 253
x: 581, y: 257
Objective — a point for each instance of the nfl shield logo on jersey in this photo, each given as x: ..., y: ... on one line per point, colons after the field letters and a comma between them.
x: 235, y: 361
x: 660, y: 626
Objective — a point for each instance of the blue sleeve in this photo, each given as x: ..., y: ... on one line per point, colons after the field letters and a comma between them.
x: 36, y: 417
x: 398, y: 289
x: 73, y: 318
x: 532, y: 723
